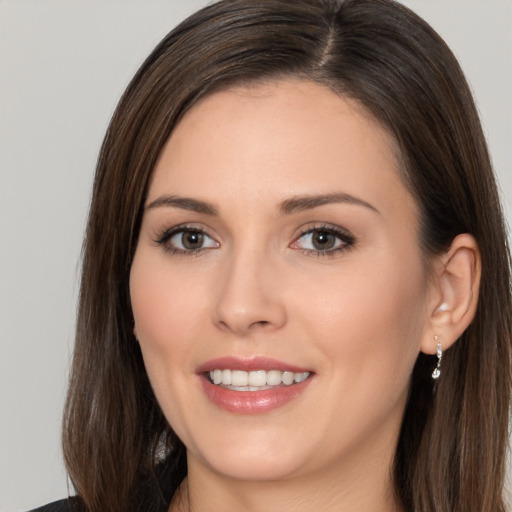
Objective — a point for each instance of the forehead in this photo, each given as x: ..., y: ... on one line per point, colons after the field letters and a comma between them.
x: 278, y: 105
x: 284, y: 137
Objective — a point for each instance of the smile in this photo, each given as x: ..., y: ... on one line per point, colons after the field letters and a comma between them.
x: 252, y: 385
x: 257, y: 380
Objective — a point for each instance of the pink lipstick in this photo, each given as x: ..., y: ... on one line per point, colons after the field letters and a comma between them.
x: 252, y: 386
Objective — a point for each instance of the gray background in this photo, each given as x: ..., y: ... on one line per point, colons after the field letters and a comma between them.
x: 63, y: 65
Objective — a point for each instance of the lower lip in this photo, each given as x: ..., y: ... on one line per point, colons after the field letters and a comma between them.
x: 252, y: 402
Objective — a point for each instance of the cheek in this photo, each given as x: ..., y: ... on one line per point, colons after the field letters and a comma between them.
x: 370, y: 323
x: 164, y: 303
x: 370, y: 342
x: 166, y: 311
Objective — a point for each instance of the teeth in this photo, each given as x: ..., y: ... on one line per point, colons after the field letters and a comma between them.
x: 274, y: 377
x: 226, y: 377
x: 256, y: 380
x: 287, y: 378
x: 299, y: 377
x: 239, y: 378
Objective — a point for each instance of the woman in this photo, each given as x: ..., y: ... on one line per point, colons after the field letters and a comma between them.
x: 296, y: 283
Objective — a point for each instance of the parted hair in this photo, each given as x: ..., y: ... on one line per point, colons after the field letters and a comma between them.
x: 120, y: 452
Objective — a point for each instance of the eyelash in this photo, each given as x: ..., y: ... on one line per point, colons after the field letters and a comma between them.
x: 164, y: 238
x: 345, y: 240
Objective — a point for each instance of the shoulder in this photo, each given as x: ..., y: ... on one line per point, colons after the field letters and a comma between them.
x: 66, y: 505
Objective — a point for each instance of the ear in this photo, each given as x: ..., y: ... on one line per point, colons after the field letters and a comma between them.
x: 454, y: 293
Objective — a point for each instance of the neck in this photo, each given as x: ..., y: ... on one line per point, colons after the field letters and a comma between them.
x: 365, y: 489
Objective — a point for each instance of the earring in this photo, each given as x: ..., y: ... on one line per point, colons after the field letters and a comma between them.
x: 437, y: 370
x: 442, y: 307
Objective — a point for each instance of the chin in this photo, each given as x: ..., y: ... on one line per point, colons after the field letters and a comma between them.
x: 255, y: 468
x: 253, y: 456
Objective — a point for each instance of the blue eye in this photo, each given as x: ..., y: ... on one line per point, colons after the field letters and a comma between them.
x: 186, y: 240
x: 323, y: 240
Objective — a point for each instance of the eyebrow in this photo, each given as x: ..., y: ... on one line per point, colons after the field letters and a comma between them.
x: 301, y: 203
x: 288, y: 207
x: 185, y: 203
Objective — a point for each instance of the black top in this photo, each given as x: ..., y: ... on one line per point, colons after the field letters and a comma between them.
x: 65, y: 505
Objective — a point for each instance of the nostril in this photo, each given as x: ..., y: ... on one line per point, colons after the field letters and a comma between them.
x: 259, y: 323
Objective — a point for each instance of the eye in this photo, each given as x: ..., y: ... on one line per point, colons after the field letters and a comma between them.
x: 186, y: 240
x: 323, y: 240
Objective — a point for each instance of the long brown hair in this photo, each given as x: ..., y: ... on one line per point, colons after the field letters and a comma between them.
x: 119, y: 450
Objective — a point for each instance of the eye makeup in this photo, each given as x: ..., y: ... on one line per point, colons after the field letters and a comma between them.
x: 317, y: 240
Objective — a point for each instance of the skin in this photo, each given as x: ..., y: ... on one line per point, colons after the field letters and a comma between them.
x: 357, y: 317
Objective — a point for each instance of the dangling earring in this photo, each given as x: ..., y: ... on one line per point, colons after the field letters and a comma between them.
x: 437, y: 370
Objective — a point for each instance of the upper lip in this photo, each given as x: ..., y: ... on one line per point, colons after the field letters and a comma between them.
x: 249, y: 364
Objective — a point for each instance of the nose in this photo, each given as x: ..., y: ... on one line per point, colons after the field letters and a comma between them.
x: 249, y: 297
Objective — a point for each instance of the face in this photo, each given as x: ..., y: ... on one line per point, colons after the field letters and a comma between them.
x: 277, y: 287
